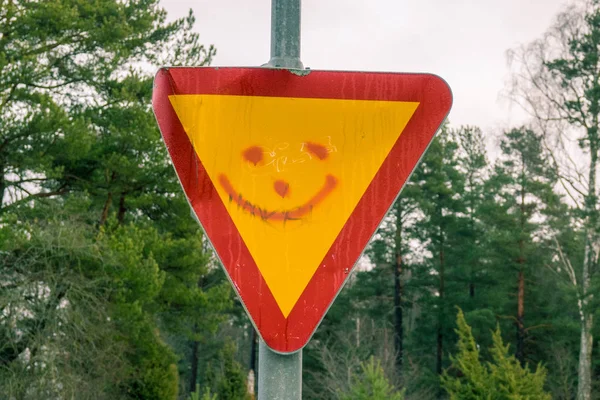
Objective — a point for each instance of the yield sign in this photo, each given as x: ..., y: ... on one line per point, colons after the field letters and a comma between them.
x: 290, y: 175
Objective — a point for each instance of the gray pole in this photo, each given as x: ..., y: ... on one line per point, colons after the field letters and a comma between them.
x: 285, y: 34
x: 279, y: 375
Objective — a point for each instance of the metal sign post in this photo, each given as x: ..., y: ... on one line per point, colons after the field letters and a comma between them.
x: 280, y: 375
x: 285, y: 34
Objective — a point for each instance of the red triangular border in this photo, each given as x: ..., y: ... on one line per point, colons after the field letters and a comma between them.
x: 291, y: 334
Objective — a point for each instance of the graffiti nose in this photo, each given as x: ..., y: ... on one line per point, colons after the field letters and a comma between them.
x: 281, y: 187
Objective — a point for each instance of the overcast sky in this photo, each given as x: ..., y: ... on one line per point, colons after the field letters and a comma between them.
x: 463, y: 41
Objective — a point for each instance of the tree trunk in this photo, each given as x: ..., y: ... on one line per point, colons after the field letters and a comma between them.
x: 194, y: 364
x: 2, y: 187
x: 108, y: 203
x: 253, y: 348
x: 398, y: 317
x: 520, y: 350
x: 440, y: 334
x: 195, y: 347
x: 584, y: 371
x: 472, y: 227
x: 442, y: 283
x: 520, y: 353
x: 398, y: 321
x: 122, y: 209
x: 252, y: 370
x: 104, y: 215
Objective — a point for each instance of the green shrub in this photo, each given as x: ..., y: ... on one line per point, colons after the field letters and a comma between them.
x: 371, y: 384
x: 502, y: 379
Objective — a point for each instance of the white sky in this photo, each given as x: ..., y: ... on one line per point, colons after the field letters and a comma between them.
x: 463, y: 41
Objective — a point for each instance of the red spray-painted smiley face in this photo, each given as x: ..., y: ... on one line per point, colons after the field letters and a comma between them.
x: 283, y: 180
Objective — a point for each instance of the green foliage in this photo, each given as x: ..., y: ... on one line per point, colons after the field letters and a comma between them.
x: 70, y: 77
x: 371, y: 384
x: 95, y: 312
x: 109, y: 290
x: 474, y: 383
x: 464, y: 235
x: 511, y: 378
x: 159, y: 380
x: 230, y: 377
x: 438, y: 275
x: 502, y: 378
x: 206, y: 395
x: 97, y: 248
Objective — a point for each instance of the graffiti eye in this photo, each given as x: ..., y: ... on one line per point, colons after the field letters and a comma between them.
x: 253, y: 154
x: 317, y: 150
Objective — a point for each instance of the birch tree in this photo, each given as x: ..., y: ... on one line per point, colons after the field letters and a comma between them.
x: 557, y: 80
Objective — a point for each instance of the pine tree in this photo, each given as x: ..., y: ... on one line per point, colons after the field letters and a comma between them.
x: 439, y: 180
x: 473, y: 163
x: 371, y: 384
x: 230, y: 380
x: 502, y: 379
x: 93, y: 203
x: 521, y: 200
x: 474, y: 381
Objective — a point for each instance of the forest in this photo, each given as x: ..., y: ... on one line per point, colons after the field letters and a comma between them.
x: 479, y: 284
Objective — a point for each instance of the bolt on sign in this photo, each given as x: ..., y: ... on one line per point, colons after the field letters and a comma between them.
x: 290, y: 175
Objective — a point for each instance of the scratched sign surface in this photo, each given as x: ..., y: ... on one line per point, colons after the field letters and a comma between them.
x: 291, y: 175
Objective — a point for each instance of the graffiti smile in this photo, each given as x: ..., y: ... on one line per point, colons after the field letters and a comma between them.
x: 278, y: 215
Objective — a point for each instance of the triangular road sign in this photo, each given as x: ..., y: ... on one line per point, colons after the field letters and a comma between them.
x: 290, y: 175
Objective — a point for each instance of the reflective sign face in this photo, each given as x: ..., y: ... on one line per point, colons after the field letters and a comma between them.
x: 290, y: 175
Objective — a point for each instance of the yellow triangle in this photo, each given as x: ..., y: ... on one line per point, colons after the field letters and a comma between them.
x: 290, y: 171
